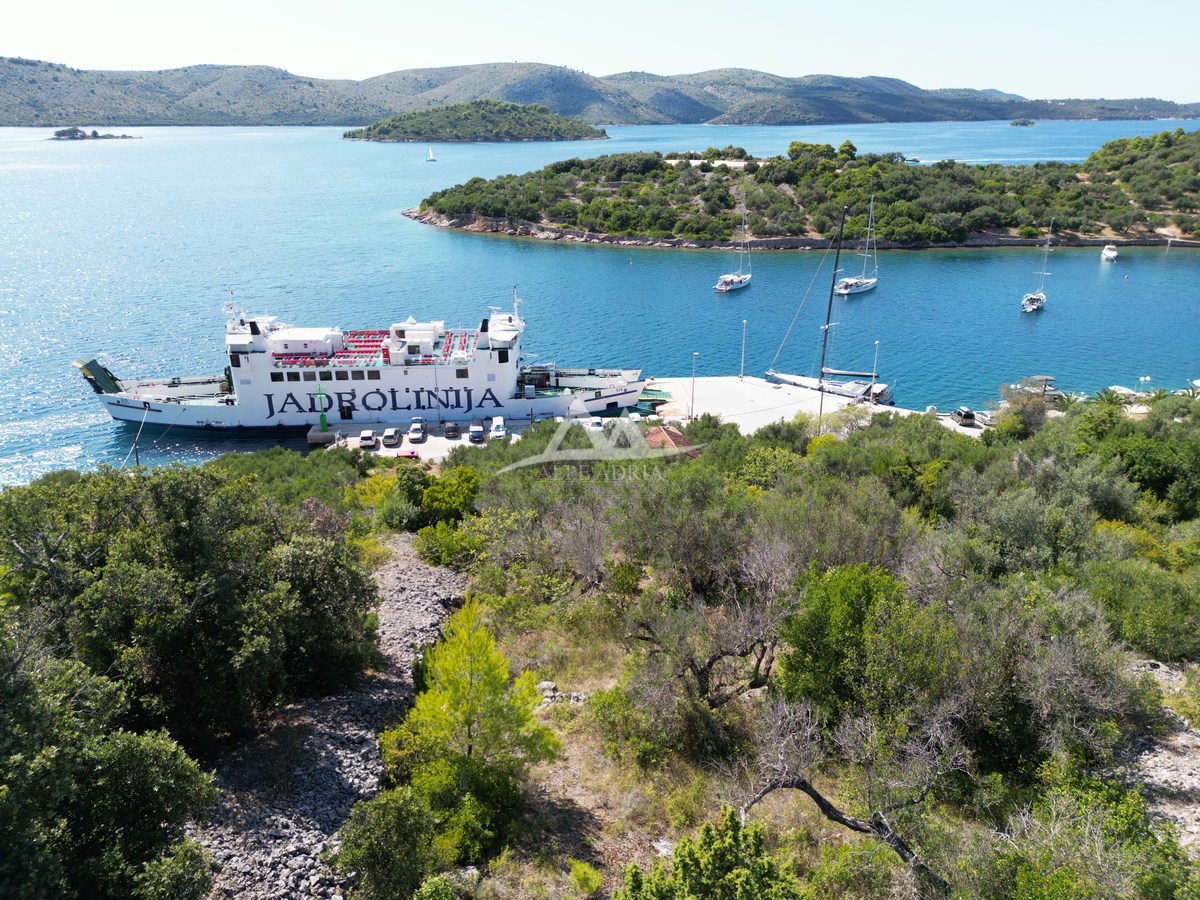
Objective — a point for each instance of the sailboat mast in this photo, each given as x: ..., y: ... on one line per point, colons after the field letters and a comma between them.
x: 866, y: 254
x: 829, y: 308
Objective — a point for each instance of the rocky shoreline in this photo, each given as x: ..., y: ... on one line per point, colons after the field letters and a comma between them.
x: 285, y: 793
x: 541, y: 232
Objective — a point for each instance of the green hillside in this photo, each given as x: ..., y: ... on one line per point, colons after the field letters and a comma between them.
x: 51, y: 94
x: 479, y: 120
x: 1128, y: 186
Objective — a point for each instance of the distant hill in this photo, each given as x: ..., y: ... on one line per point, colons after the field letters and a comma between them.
x: 479, y: 120
x: 51, y: 94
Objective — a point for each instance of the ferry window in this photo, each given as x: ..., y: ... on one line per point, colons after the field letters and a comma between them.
x: 234, y: 360
x: 502, y: 356
x: 414, y: 349
x: 293, y: 376
x: 462, y: 373
x: 372, y: 375
x: 310, y: 376
x: 356, y: 375
x: 612, y: 404
x: 326, y: 375
x: 342, y: 375
x: 277, y: 376
x: 491, y: 376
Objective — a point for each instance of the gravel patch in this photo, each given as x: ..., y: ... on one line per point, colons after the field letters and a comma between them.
x: 285, y: 793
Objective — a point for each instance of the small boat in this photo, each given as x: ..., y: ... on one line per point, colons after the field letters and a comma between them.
x: 431, y: 157
x: 739, y: 279
x: 856, y: 284
x: 1109, y: 253
x: 1035, y: 300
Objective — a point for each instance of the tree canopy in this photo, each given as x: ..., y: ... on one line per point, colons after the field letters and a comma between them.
x: 479, y: 120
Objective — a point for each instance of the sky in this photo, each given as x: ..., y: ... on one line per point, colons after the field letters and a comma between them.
x: 1040, y: 50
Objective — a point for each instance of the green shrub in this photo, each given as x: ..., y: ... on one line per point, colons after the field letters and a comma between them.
x: 436, y: 888
x: 585, y: 880
x: 446, y: 545
x: 629, y: 733
x: 726, y: 861
x: 385, y: 851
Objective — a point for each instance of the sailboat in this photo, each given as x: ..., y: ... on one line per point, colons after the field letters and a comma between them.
x: 431, y: 157
x: 739, y: 279
x: 864, y: 387
x: 856, y: 284
x: 1034, y: 301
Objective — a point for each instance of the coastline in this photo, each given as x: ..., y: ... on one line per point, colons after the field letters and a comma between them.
x: 541, y: 232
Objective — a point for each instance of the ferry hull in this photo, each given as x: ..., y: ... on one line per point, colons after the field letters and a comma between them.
x: 142, y: 405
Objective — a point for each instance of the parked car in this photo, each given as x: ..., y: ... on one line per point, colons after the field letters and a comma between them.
x: 366, y: 439
x: 498, y: 431
x: 475, y: 433
x: 983, y: 417
x: 416, y: 431
x: 963, y: 416
x: 392, y: 437
x: 595, y: 423
x: 451, y: 431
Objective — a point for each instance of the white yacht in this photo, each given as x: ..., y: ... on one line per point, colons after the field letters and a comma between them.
x: 739, y: 279
x: 1109, y: 253
x: 1035, y: 300
x: 856, y: 284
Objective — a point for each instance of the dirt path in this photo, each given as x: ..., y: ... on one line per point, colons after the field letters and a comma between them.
x: 285, y: 793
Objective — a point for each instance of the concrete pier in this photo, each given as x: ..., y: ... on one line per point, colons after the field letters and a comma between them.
x: 751, y: 402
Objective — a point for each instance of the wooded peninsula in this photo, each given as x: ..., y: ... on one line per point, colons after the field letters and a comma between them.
x: 1131, y: 187
x: 479, y: 120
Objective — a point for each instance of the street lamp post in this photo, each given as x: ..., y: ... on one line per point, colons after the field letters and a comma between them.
x: 692, y: 407
x: 742, y: 373
x: 874, y: 373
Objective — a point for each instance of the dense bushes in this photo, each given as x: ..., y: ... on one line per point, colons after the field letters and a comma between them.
x: 930, y: 623
x: 86, y: 809
x: 184, y: 586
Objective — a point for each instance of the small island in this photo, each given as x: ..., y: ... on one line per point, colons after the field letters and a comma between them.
x: 1022, y: 122
x: 1142, y: 188
x: 75, y: 133
x: 479, y: 121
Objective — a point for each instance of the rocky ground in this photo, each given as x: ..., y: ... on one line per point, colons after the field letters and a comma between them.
x: 285, y: 794
x: 1168, y: 768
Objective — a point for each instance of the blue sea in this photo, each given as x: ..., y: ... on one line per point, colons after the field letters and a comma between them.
x: 129, y: 249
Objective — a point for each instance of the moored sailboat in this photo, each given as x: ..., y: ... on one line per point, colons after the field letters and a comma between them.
x: 739, y: 279
x: 857, y: 284
x: 431, y: 157
x: 1035, y: 300
x: 864, y: 387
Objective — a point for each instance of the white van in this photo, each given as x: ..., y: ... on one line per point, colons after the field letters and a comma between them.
x: 497, y: 432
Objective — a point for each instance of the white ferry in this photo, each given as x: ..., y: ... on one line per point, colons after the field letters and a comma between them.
x: 284, y: 376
